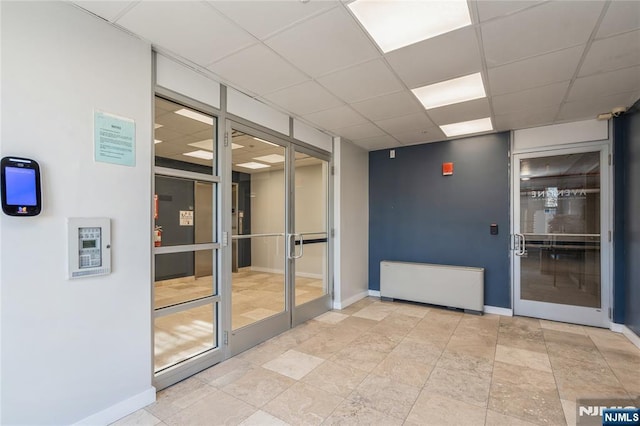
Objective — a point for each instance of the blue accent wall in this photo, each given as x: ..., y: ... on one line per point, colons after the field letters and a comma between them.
x: 418, y: 215
x: 631, y: 195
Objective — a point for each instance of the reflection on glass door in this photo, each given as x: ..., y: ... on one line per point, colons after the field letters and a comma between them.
x: 558, y: 237
x: 186, y: 299
x: 258, y: 231
x: 310, y: 237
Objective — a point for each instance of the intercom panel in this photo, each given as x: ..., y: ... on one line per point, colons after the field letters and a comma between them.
x: 20, y: 181
x: 89, y: 246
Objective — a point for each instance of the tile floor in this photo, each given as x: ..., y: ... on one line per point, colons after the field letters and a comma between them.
x: 389, y: 363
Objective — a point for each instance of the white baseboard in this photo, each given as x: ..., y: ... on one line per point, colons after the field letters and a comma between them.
x: 121, y: 409
x: 374, y: 293
x: 505, y: 312
x: 341, y: 304
x: 627, y: 332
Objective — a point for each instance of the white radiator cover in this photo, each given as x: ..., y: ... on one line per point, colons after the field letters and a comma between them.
x: 453, y: 286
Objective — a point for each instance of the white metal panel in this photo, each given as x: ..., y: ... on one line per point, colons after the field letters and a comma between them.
x: 454, y: 286
x: 437, y: 59
x: 374, y: 79
x: 305, y: 98
x: 185, y: 81
x: 312, y: 136
x: 257, y: 69
x: 560, y: 134
x: 252, y: 110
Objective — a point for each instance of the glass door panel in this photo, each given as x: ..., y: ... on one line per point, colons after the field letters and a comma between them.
x: 558, y: 256
x: 186, y: 299
x: 311, y: 248
x: 258, y: 230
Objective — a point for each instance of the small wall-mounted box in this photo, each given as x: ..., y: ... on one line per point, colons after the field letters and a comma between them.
x: 89, y: 241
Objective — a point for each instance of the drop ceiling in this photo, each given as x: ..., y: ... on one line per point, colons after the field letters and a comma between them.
x: 542, y: 62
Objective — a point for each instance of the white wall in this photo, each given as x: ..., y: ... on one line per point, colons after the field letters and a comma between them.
x: 76, y: 350
x: 351, y: 217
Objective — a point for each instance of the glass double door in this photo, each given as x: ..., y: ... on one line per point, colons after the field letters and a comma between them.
x: 279, y: 236
x: 560, y: 238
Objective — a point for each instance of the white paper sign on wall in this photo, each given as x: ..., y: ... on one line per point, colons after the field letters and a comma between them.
x: 186, y: 217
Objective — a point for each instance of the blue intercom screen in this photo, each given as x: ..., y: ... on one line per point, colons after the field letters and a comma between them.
x: 20, y: 186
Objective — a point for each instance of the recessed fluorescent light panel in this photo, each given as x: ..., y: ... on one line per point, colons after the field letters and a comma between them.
x: 271, y: 159
x: 252, y: 165
x: 467, y: 127
x: 263, y: 141
x: 236, y: 145
x: 395, y: 24
x: 195, y: 116
x: 450, y: 92
x: 205, y: 144
x: 205, y: 155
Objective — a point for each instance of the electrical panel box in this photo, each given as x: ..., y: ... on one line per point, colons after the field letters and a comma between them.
x: 89, y: 247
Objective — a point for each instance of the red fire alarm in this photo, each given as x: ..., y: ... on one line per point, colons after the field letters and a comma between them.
x: 447, y: 169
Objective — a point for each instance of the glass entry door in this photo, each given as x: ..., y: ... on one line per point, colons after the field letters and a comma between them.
x: 279, y: 240
x: 560, y: 236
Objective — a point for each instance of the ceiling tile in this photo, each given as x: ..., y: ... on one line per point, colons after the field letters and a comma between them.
x: 304, y: 98
x: 525, y: 119
x: 360, y: 131
x: 489, y: 9
x: 610, y: 83
x: 590, y: 108
x: 273, y: 72
x: 621, y: 16
x: 336, y: 118
x: 542, y: 29
x: 362, y: 81
x: 405, y: 123
x: 108, y: 10
x: 437, y: 59
x: 463, y: 111
x: 612, y: 53
x: 534, y: 72
x: 432, y: 134
x: 387, y: 106
x: 264, y: 18
x: 544, y: 96
x: 378, y: 142
x: 193, y: 30
x: 324, y: 43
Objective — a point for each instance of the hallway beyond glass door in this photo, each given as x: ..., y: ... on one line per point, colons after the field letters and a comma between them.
x: 559, y: 252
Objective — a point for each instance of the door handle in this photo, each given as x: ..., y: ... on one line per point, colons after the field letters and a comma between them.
x: 520, y: 247
x: 292, y: 246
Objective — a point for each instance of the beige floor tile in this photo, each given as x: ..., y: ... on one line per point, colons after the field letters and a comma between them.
x: 327, y: 343
x: 358, y: 357
x: 569, y: 408
x: 496, y: 419
x: 359, y: 324
x: 412, y: 310
x: 141, y: 417
x: 179, y: 396
x: 577, y: 379
x: 226, y: 372
x: 303, y: 404
x: 376, y: 311
x: 470, y: 364
x: 259, y: 386
x: 262, y: 353
x: 523, y: 357
x: 293, y: 364
x: 564, y: 327
x: 357, y: 413
x: 459, y: 386
x: 375, y: 342
x: 629, y: 376
x: 225, y: 409
x: 525, y: 393
x: 262, y: 418
x: 332, y: 317
x: 417, y: 351
x: 334, y: 378
x: 436, y: 410
x: 403, y: 370
x: 386, y: 395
